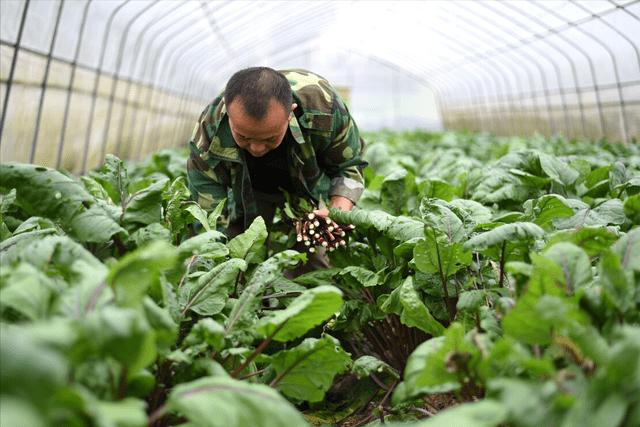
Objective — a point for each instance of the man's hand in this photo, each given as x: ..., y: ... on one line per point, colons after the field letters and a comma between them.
x: 338, y: 202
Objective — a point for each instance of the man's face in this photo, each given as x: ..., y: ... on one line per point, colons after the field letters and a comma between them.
x: 259, y: 137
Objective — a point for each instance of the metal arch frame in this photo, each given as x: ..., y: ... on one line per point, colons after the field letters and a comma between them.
x: 74, y: 63
x: 543, y: 76
x: 479, y: 89
x: 97, y: 81
x: 623, y: 8
x: 151, y: 68
x: 484, y: 91
x: 132, y: 66
x: 482, y: 94
x: 49, y: 55
x: 573, y: 70
x: 215, y: 30
x: 505, y: 53
x: 205, y: 84
x: 219, y: 81
x: 515, y: 76
x: 14, y: 62
x: 159, y: 78
x: 309, y: 23
x: 505, y: 79
x: 379, y: 60
x: 587, y: 57
x: 487, y: 59
x: 502, y: 51
x: 145, y: 69
x: 193, y: 44
x: 623, y: 111
x: 116, y: 76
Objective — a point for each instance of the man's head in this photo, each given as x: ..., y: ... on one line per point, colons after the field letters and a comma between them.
x: 259, y: 105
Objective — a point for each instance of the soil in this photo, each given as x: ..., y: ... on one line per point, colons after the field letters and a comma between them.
x: 353, y: 402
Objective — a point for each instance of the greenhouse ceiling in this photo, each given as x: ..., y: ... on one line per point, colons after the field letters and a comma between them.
x: 505, y: 67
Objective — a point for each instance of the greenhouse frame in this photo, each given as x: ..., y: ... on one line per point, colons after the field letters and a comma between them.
x: 84, y: 78
x: 344, y: 213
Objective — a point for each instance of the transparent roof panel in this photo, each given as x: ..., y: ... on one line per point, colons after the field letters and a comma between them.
x: 467, y: 52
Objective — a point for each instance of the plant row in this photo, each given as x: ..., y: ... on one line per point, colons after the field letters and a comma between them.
x: 504, y: 273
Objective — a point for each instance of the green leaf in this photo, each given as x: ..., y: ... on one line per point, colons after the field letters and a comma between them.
x: 161, y: 321
x: 207, y: 245
x: 478, y: 212
x: 208, y: 295
x: 593, y: 240
x: 27, y: 290
x: 610, y: 212
x: 471, y: 300
x: 206, y: 330
x: 400, y: 228
x: 547, y: 208
x: 574, y: 263
x: 437, y: 189
x: 135, y: 272
x: 242, y: 314
x: 436, y: 255
x: 628, y: 250
x: 146, y: 234
x: 128, y: 412
x: 531, y: 401
x: 397, y: 192
x: 308, y: 310
x: 317, y: 277
x: 364, y: 365
x: 515, y: 232
x: 17, y: 412
x: 408, y: 389
x: 225, y: 402
x: 145, y: 206
x: 121, y: 333
x: 632, y: 208
x: 441, y: 215
x: 415, y: 312
x: 199, y: 214
x: 306, y: 371
x: 558, y: 170
x: 436, y: 372
x: 249, y: 242
x: 30, y: 371
x: 113, y: 178
x: 524, y: 322
x: 617, y: 282
x: 48, y: 193
x: 362, y: 276
x: 484, y: 413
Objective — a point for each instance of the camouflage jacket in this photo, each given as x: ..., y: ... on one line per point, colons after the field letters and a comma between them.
x: 326, y: 160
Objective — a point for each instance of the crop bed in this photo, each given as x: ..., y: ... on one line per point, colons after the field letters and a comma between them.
x: 484, y: 282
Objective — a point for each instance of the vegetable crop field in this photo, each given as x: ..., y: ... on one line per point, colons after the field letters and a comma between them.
x: 485, y: 282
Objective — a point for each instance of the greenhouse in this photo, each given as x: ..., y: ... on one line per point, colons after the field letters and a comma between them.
x: 319, y: 213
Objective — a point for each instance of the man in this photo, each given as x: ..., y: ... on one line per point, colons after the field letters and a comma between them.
x: 271, y: 130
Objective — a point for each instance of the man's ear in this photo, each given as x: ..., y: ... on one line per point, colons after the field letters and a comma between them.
x: 293, y: 107
x: 223, y: 100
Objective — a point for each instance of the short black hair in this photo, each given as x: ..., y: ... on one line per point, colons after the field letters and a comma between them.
x: 255, y: 87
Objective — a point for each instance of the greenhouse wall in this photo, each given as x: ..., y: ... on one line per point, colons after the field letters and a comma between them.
x: 92, y: 77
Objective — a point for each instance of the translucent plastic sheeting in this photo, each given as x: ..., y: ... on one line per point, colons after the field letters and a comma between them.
x: 82, y: 78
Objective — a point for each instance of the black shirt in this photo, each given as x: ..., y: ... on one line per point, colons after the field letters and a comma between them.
x: 270, y: 172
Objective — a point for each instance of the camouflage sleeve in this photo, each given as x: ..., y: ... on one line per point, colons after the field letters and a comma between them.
x: 207, y: 188
x: 343, y: 157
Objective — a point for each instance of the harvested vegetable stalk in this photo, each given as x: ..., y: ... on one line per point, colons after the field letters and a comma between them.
x: 313, y: 230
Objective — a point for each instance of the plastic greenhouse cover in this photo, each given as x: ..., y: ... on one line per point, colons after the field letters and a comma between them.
x: 125, y: 71
x: 439, y: 43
